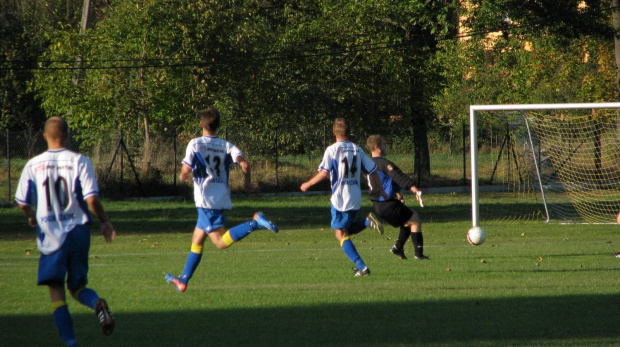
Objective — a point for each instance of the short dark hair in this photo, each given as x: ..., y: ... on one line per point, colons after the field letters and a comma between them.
x: 210, y: 119
x: 57, y: 127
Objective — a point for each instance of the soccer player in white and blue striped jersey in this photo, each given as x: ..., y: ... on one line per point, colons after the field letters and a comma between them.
x: 208, y: 158
x: 343, y: 163
x: 55, y: 192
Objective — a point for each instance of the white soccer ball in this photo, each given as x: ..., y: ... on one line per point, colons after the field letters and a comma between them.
x: 476, y: 236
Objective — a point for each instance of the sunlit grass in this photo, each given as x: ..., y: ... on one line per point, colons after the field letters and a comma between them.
x: 527, y: 285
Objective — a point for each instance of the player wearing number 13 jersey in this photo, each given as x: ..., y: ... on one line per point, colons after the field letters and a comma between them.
x: 344, y: 162
x: 208, y: 158
x: 55, y: 192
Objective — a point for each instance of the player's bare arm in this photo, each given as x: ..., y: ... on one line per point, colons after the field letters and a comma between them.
x: 29, y: 212
x: 321, y: 175
x: 107, y: 229
x: 247, y: 173
x: 184, y: 175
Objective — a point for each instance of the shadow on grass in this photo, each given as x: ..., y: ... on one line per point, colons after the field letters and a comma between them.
x: 566, y: 320
x: 183, y: 219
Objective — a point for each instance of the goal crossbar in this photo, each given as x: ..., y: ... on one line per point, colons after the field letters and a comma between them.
x: 473, y: 135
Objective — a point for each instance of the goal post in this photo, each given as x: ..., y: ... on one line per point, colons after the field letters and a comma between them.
x: 569, y: 152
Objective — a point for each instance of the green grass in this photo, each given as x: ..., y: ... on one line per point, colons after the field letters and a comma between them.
x: 527, y: 285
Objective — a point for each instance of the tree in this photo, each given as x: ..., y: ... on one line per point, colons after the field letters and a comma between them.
x: 546, y: 52
x: 266, y: 65
x: 25, y: 30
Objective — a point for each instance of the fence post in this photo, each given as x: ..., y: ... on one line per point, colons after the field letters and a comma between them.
x: 122, y: 168
x: 464, y: 155
x: 8, y: 160
x: 174, y: 146
x: 276, y: 155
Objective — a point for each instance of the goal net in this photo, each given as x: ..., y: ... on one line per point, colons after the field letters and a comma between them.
x: 546, y: 162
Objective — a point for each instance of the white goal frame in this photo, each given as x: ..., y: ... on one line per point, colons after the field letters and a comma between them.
x: 473, y: 138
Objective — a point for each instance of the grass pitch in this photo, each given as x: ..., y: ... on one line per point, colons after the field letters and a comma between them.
x: 527, y: 285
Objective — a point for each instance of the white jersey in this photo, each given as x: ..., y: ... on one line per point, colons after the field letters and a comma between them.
x: 344, y: 161
x: 56, y: 183
x: 210, y: 158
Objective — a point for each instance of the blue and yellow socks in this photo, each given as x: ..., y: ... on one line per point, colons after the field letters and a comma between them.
x: 238, y: 232
x: 193, y: 259
x: 64, y: 322
x: 349, y: 249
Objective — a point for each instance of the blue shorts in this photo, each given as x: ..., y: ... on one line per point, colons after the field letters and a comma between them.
x: 70, y: 261
x: 209, y: 220
x: 342, y: 220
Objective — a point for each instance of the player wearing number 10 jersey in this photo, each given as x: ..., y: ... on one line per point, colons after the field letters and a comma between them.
x: 55, y: 192
x: 208, y: 158
x: 343, y: 162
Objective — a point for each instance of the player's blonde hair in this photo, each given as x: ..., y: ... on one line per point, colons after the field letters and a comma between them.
x: 374, y: 141
x: 342, y: 127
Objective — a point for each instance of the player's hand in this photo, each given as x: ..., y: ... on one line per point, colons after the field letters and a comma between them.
x: 32, y: 221
x: 400, y: 197
x: 305, y: 186
x: 107, y: 229
x: 184, y: 176
x: 418, y: 195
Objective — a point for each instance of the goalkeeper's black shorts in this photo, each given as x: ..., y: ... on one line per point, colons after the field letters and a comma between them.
x: 393, y: 212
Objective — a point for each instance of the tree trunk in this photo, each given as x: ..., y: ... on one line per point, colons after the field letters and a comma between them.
x: 421, y: 161
x: 615, y: 6
x: 419, y: 112
x: 144, y: 111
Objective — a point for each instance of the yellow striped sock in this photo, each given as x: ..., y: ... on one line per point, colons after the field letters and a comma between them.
x: 343, y: 240
x: 58, y: 304
x: 196, y: 248
x: 227, y: 239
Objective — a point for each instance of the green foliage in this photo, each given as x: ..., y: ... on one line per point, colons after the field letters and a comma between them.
x: 26, y: 29
x: 534, y: 60
x: 150, y: 65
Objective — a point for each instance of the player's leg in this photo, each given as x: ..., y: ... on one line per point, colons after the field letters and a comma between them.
x: 340, y: 221
x: 415, y: 226
x: 51, y: 273
x: 211, y: 223
x: 396, y: 214
x: 238, y: 232
x: 78, y: 241
x: 371, y: 221
x: 398, y: 248
x: 60, y: 312
x: 193, y: 260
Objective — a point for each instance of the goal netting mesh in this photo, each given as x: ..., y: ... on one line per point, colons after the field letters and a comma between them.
x: 554, y: 165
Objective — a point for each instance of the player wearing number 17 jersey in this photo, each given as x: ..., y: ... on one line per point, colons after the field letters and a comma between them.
x: 343, y: 162
x: 208, y: 158
x: 55, y: 192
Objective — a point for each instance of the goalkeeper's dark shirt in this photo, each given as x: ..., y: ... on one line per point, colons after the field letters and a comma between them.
x: 392, y: 179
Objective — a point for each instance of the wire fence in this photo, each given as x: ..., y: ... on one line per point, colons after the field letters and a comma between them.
x: 128, y: 168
